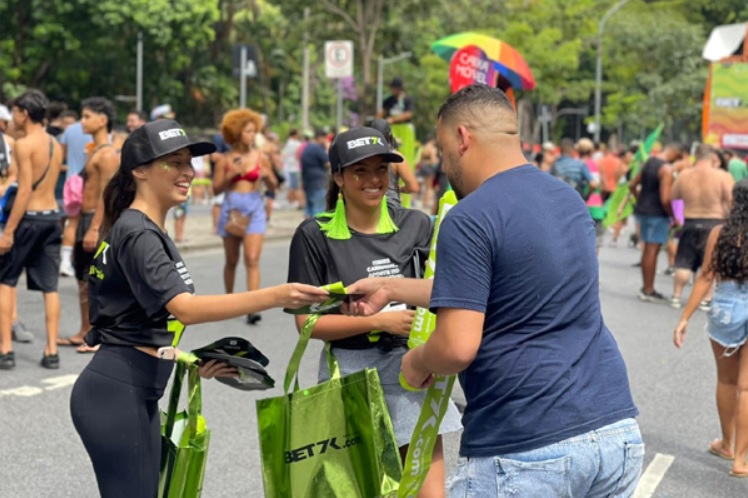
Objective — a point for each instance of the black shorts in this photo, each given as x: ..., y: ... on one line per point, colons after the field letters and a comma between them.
x: 82, y: 259
x: 36, y: 248
x: 692, y: 244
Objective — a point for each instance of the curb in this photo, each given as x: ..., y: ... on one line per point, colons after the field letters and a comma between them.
x: 216, y: 242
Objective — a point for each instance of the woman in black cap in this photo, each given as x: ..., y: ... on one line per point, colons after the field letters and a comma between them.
x: 361, y: 236
x: 142, y: 296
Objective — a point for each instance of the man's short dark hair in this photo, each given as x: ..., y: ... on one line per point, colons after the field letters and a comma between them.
x: 69, y: 114
x: 567, y: 145
x: 141, y: 115
x: 319, y: 132
x: 396, y: 83
x: 55, y: 109
x: 293, y: 132
x: 704, y: 152
x: 472, y: 98
x: 101, y: 105
x: 35, y: 103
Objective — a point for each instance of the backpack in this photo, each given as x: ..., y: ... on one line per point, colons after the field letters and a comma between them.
x: 72, y: 190
x: 72, y: 195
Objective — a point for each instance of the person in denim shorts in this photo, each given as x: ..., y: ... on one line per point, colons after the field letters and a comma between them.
x: 726, y: 266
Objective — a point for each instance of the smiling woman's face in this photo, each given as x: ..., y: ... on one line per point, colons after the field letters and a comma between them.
x: 364, y: 184
x: 170, y: 177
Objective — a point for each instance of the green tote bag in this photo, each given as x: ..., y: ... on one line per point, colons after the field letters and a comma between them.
x: 184, y: 437
x: 333, y: 440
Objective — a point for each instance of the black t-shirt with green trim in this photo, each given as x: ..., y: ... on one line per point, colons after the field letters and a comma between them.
x: 317, y: 260
x: 136, y: 270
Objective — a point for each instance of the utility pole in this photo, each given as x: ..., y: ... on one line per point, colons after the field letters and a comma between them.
x: 243, y: 77
x: 305, y: 86
x: 599, y: 67
x: 139, y: 74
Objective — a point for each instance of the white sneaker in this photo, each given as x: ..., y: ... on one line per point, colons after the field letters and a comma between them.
x: 676, y: 303
x: 66, y: 269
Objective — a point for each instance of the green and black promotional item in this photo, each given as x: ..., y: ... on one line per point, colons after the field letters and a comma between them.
x: 248, y: 361
x: 184, y: 436
x: 332, y: 440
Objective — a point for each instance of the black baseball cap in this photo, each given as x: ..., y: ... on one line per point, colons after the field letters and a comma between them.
x: 158, y: 139
x: 396, y: 83
x: 355, y: 145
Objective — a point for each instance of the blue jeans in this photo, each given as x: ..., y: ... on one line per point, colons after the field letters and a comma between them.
x: 604, y: 462
x: 727, y: 321
x: 315, y: 202
x: 654, y: 229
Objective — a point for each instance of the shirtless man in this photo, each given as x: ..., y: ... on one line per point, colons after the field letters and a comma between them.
x: 706, y: 191
x: 31, y: 238
x: 97, y: 118
x: 428, y: 163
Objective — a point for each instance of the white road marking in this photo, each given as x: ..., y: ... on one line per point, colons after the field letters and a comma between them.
x: 59, y: 382
x: 652, y: 477
x: 52, y: 384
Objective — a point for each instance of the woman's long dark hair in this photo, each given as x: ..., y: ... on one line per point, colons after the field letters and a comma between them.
x: 118, y: 195
x: 730, y: 259
x: 332, y: 194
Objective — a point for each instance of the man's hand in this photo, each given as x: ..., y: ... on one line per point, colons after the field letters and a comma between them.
x: 90, y: 240
x: 414, y: 374
x: 375, y: 297
x: 6, y: 243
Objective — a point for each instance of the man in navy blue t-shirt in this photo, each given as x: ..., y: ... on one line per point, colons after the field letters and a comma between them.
x: 315, y: 174
x: 549, y: 409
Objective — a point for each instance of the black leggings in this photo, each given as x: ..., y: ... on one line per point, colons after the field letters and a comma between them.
x: 114, y: 406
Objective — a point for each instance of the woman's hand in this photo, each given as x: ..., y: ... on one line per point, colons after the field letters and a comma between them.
x: 396, y: 322
x: 215, y: 368
x: 296, y: 296
x: 680, y: 333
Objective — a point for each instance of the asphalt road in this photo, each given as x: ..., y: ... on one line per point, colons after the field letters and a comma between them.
x: 43, y: 457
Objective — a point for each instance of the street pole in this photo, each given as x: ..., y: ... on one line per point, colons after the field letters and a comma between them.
x: 380, y: 82
x: 380, y: 74
x: 305, y: 84
x: 599, y: 66
x: 339, y: 120
x: 139, y: 75
x: 243, y: 77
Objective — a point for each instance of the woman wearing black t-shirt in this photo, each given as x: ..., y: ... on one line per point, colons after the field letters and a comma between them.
x: 362, y: 238
x: 141, y: 297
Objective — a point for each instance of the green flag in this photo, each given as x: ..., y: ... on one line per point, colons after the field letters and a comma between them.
x: 621, y: 193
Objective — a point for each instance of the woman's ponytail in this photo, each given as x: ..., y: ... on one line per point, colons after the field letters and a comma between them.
x: 118, y: 195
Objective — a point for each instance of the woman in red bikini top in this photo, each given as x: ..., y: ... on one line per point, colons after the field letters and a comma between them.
x: 244, y: 168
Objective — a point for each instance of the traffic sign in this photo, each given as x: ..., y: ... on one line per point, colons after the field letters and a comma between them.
x: 339, y: 59
x: 251, y: 62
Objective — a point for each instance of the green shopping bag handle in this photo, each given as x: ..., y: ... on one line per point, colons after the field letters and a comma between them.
x: 185, y: 362
x: 295, y: 361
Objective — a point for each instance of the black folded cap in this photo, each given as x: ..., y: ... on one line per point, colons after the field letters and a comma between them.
x: 158, y: 139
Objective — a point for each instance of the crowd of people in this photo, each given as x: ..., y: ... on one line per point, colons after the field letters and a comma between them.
x: 693, y: 204
x: 90, y: 200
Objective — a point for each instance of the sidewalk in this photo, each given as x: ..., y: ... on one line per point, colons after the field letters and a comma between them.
x: 198, y: 232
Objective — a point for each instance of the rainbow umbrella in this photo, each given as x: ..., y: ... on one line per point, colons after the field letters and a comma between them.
x: 506, y: 59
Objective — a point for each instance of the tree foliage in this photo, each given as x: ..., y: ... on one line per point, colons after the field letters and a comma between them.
x: 652, y: 66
